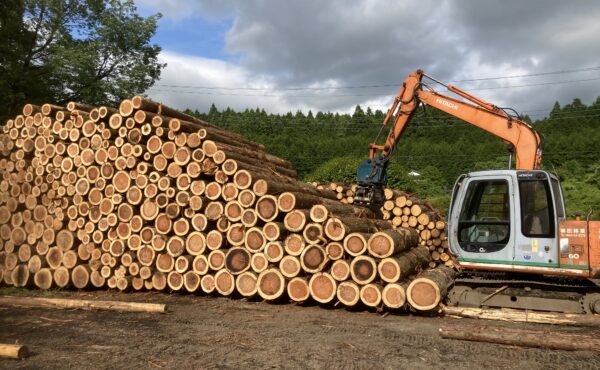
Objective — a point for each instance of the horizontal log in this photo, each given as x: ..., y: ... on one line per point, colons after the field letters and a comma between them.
x: 83, y: 304
x: 513, y: 315
x: 546, y: 339
x: 13, y: 351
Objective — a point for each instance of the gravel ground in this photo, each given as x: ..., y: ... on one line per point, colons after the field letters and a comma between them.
x: 215, y: 332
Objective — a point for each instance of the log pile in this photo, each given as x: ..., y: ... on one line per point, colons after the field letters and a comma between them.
x: 406, y: 211
x: 144, y: 197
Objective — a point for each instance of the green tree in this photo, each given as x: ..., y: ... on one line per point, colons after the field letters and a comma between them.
x: 94, y: 51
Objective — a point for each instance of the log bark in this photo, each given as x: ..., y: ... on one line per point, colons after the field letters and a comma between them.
x: 336, y: 228
x: 393, y: 269
x: 385, y: 243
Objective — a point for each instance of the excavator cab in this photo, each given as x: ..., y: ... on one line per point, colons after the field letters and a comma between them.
x: 506, y: 220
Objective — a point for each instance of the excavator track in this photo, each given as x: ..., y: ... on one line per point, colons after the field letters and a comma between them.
x: 491, y: 289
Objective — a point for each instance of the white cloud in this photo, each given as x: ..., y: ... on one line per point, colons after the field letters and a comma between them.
x: 183, y: 81
x: 281, y: 44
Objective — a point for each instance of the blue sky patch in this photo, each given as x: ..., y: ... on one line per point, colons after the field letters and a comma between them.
x: 193, y: 35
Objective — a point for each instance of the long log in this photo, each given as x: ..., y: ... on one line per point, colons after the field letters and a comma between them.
x: 83, y: 304
x: 385, y: 243
x: 336, y: 228
x: 547, y: 339
x: 393, y: 269
x: 513, y: 315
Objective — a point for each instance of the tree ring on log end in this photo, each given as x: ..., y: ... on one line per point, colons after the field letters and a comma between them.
x: 271, y: 284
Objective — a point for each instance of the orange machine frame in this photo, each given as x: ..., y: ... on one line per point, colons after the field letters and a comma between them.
x: 525, y: 140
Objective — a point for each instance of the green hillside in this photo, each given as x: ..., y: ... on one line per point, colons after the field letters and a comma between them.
x: 328, y: 146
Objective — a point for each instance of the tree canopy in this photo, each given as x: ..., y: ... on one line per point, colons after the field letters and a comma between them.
x: 329, y: 146
x: 94, y: 51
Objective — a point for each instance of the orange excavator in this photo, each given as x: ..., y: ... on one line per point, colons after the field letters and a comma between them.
x: 507, y: 228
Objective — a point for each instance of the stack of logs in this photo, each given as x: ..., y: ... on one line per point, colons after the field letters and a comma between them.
x: 144, y: 197
x: 404, y: 210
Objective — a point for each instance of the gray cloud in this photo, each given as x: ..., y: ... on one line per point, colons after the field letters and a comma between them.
x: 342, y: 43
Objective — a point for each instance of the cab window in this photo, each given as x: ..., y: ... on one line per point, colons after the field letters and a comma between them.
x: 537, y: 216
x: 484, y: 223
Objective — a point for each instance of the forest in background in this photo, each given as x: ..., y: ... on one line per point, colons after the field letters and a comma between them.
x: 327, y: 147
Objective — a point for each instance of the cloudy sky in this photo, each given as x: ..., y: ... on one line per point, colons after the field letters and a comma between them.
x: 331, y: 55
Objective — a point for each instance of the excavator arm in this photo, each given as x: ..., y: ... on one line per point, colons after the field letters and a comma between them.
x: 523, y: 139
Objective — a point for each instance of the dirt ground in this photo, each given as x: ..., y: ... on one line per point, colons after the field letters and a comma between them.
x: 215, y: 332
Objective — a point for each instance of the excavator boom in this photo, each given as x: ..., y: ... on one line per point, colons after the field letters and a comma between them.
x: 523, y: 139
